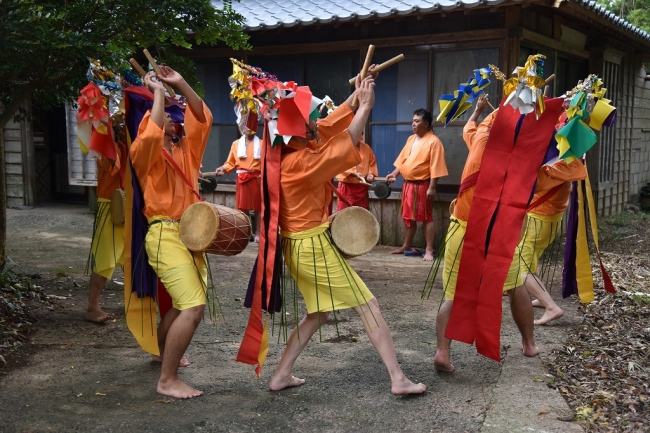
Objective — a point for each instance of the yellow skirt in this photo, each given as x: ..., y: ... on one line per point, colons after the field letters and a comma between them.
x: 540, y: 233
x: 107, y: 248
x: 324, y: 278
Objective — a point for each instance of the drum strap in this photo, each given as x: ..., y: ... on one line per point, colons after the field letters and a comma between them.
x: 338, y: 193
x: 178, y: 171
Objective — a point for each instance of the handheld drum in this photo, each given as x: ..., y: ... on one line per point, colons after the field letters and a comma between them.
x: 118, y: 202
x: 215, y: 229
x: 355, y: 231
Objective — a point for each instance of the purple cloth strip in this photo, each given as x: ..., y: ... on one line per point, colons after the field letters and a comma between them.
x: 569, y: 283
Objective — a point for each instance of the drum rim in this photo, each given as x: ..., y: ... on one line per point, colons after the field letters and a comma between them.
x: 382, y: 184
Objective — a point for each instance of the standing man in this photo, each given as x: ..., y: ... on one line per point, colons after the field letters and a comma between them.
x: 522, y: 312
x: 245, y: 157
x: 350, y: 185
x: 324, y: 278
x: 107, y: 248
x: 421, y: 163
x: 163, y: 162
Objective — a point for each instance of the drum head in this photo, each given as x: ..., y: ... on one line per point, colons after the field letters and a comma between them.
x: 355, y: 231
x: 209, y: 184
x: 117, y: 207
x: 199, y: 226
x: 382, y: 189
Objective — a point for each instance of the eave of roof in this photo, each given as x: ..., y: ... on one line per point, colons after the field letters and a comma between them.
x: 272, y: 14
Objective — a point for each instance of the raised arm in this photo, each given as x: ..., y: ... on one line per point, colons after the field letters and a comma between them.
x: 194, y: 101
x: 158, y: 109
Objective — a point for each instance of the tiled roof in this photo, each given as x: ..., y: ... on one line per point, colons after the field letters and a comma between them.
x: 270, y: 14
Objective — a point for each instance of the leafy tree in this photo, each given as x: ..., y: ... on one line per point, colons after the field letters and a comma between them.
x: 635, y: 11
x: 45, y: 46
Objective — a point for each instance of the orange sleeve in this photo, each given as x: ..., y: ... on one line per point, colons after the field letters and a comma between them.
x: 560, y: 172
x: 197, y: 133
x: 437, y: 160
x: 231, y: 162
x: 336, y: 122
x: 146, y: 150
x: 469, y: 132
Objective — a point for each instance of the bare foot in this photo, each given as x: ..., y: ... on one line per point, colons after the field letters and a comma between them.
x: 404, y: 386
x: 549, y: 315
x: 280, y: 383
x: 256, y: 239
x: 530, y: 351
x: 400, y: 250
x: 443, y: 365
x: 537, y: 304
x: 182, y: 363
x: 98, y: 316
x: 177, y: 389
x: 428, y: 256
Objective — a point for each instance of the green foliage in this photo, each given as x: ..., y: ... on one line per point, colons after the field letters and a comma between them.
x: 46, y: 44
x: 635, y: 11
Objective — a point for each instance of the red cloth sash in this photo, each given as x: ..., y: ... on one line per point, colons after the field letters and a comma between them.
x: 508, y: 171
x: 415, y: 205
x: 251, y: 345
x: 355, y: 193
x: 248, y: 191
x: 468, y: 182
x: 550, y: 193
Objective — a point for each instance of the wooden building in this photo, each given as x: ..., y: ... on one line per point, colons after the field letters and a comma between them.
x: 323, y: 43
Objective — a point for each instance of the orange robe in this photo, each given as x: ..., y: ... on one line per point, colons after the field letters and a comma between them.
x: 427, y: 162
x: 249, y: 163
x: 550, y: 176
x: 306, y: 172
x: 110, y: 174
x: 165, y: 192
x: 349, y: 185
x: 476, y: 138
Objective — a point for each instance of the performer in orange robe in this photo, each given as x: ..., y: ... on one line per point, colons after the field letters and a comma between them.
x: 350, y: 185
x: 476, y: 137
x: 167, y: 193
x: 421, y: 162
x: 543, y: 224
x: 245, y: 156
x: 107, y: 248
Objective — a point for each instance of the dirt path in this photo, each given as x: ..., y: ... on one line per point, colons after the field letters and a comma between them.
x: 77, y: 376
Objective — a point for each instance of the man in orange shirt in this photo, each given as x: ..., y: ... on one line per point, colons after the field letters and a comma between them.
x: 107, y: 248
x: 324, y: 278
x: 476, y: 139
x: 421, y: 163
x: 350, y: 185
x: 161, y: 161
x: 543, y: 224
x: 245, y: 157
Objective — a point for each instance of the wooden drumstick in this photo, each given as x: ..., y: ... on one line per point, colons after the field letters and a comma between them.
x: 364, y: 70
x: 491, y: 106
x: 545, y: 90
x: 137, y: 67
x: 549, y: 79
x: 379, y: 179
x: 382, y: 66
x: 204, y: 179
x: 156, y: 69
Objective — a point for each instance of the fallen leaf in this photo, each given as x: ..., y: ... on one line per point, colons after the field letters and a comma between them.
x: 80, y: 394
x: 99, y: 393
x: 162, y: 401
x: 543, y: 412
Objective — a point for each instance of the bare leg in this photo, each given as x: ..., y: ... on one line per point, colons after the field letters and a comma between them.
x: 409, y: 232
x: 93, y: 312
x: 282, y: 378
x: 380, y: 336
x: 178, y: 338
x: 442, y: 360
x: 522, y: 313
x: 536, y: 303
x: 536, y: 288
x: 258, y: 219
x: 163, y: 328
x: 429, y: 231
